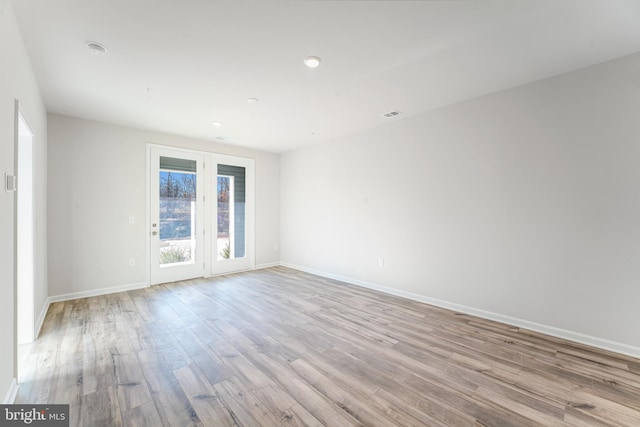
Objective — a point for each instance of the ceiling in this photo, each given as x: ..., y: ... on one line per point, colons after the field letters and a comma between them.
x: 176, y: 66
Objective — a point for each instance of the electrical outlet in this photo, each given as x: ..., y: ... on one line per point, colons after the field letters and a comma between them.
x: 132, y: 262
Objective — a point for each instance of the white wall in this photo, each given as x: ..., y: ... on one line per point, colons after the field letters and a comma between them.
x: 524, y: 203
x: 97, y: 180
x: 17, y: 81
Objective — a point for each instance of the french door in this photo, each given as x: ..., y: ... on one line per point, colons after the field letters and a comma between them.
x: 176, y: 215
x: 233, y: 218
x: 200, y: 214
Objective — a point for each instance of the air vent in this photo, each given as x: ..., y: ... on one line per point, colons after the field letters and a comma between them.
x: 392, y: 113
x: 220, y: 138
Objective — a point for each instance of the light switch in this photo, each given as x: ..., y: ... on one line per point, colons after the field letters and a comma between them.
x: 11, y: 182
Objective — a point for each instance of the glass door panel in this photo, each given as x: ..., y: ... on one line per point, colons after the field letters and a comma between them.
x: 233, y: 220
x: 231, y: 194
x: 176, y: 215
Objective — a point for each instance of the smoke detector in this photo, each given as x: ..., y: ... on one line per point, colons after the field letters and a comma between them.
x: 96, y: 48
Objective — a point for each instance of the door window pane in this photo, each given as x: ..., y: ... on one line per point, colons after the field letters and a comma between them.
x: 177, y: 211
x: 231, y: 212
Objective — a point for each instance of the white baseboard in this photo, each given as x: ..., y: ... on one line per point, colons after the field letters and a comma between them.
x: 244, y: 270
x: 96, y: 292
x: 41, y: 317
x: 266, y: 265
x: 10, y: 397
x: 577, y: 337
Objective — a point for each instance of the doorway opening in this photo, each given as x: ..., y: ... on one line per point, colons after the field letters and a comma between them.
x: 25, y: 247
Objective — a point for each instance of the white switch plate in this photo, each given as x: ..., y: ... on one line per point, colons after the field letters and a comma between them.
x: 11, y: 182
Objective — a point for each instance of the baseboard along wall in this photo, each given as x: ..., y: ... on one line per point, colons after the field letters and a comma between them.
x: 576, y: 337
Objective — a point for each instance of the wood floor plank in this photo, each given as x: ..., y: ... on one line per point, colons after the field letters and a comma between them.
x: 278, y: 347
x: 101, y: 408
x: 172, y: 404
x: 207, y: 361
x: 406, y: 414
x: 303, y: 392
x: 131, y: 385
x: 145, y: 415
x: 518, y: 407
x: 339, y: 370
x: 340, y: 397
x: 243, y: 410
x: 298, y: 416
x: 203, y: 397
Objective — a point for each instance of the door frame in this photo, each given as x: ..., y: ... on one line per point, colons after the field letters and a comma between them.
x: 211, y: 160
x: 24, y: 300
x: 196, y: 266
x: 248, y: 262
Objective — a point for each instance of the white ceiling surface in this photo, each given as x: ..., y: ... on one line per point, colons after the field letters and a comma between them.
x: 202, y: 59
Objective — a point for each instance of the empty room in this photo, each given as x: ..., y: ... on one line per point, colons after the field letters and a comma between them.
x: 320, y: 213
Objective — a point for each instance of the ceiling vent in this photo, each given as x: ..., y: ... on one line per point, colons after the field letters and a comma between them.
x: 392, y: 113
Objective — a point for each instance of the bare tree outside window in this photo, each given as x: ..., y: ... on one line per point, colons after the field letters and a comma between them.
x: 177, y: 198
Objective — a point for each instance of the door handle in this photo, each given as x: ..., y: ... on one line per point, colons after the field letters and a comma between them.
x: 154, y: 233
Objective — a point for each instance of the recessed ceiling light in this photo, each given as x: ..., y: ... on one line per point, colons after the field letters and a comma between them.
x: 96, y: 48
x: 312, y: 61
x: 217, y: 124
x: 253, y: 100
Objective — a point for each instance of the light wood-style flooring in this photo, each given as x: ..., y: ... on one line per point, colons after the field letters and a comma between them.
x: 278, y: 347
